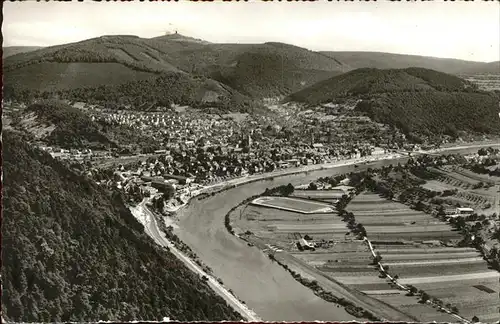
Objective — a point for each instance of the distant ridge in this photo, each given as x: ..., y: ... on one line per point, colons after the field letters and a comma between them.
x: 257, y: 70
x: 381, y: 60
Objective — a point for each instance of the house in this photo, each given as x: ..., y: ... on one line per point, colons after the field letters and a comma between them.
x: 79, y: 105
x: 182, y: 180
x: 378, y: 151
x: 283, y: 164
x: 303, y: 244
x: 294, y: 162
x: 464, y: 211
x: 161, y: 185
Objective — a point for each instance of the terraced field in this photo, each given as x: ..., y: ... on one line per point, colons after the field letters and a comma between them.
x: 488, y: 82
x: 450, y: 274
x: 392, y: 221
x: 338, y: 256
x: 350, y: 264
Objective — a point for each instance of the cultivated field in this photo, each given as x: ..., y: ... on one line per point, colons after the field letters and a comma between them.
x: 338, y: 256
x: 350, y: 264
x: 56, y: 76
x: 386, y: 220
x: 464, y: 181
x: 447, y: 273
x: 264, y: 285
x: 283, y: 228
x: 322, y: 195
x: 488, y: 82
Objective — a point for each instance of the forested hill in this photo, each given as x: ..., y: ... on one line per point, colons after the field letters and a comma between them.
x: 257, y: 70
x: 72, y: 251
x: 160, y: 91
x: 369, y: 81
x: 416, y: 100
x: 167, y: 89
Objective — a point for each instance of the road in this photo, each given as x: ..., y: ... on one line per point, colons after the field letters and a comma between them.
x: 151, y: 227
x: 268, y: 289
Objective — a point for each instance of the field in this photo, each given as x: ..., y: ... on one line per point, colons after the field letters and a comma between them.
x: 294, y: 205
x: 451, y: 274
x: 282, y: 227
x: 350, y: 264
x: 386, y: 220
x: 464, y: 182
x: 438, y: 186
x: 321, y: 195
x: 488, y: 82
x: 338, y: 258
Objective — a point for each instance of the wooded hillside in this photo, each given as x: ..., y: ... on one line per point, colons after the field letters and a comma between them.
x: 81, y: 255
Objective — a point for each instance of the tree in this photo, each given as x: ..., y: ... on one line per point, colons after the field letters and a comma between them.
x: 420, y: 206
x: 377, y: 258
x: 361, y: 230
x: 482, y: 152
x: 312, y: 186
x: 441, y: 212
x: 424, y: 298
x: 475, y: 319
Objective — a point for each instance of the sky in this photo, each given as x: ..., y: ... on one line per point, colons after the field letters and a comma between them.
x: 462, y: 30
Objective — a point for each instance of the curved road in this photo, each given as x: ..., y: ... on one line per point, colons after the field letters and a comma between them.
x: 265, y: 287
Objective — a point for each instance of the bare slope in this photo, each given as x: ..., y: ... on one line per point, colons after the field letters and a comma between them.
x: 72, y: 251
x: 13, y: 50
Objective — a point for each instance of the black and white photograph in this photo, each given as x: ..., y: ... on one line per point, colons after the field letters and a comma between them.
x: 159, y: 158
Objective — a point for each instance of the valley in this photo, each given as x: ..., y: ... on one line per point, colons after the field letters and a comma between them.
x: 149, y: 175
